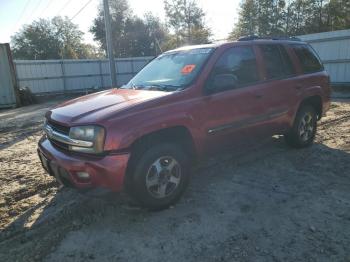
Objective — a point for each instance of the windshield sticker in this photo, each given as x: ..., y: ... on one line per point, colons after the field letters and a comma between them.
x: 187, y: 69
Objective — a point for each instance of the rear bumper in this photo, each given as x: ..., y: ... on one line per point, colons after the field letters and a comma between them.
x: 105, y: 171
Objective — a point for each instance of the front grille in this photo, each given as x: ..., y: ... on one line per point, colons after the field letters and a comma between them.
x: 59, y: 128
x: 59, y: 144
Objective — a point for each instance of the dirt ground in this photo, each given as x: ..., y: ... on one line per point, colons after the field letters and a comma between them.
x: 271, y: 203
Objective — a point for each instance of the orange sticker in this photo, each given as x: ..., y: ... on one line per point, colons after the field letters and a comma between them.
x: 187, y: 69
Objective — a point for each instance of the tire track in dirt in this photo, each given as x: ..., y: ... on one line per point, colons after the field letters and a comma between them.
x: 334, y: 121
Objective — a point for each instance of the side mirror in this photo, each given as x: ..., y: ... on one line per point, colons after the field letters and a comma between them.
x: 221, y: 82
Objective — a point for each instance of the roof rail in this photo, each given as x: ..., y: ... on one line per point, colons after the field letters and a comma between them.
x: 248, y: 38
x: 255, y: 37
x: 290, y: 38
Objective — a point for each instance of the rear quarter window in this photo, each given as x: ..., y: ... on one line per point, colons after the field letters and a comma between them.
x: 277, y: 61
x: 308, y: 58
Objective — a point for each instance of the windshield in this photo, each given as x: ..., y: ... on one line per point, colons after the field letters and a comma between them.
x: 170, y: 71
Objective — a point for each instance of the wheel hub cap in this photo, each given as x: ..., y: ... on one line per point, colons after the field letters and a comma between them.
x: 306, y: 127
x: 163, y: 177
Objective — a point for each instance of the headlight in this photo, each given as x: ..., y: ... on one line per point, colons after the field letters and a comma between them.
x: 94, y: 134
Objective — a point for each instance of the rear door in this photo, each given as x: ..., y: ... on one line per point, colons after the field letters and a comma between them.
x: 278, y: 94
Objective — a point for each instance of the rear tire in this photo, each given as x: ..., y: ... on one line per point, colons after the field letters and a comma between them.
x: 303, y: 132
x: 159, y: 176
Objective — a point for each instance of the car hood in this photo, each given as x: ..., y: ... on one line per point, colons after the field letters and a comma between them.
x: 94, y: 107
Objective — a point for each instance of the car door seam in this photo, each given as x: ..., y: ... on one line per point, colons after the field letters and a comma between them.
x: 247, y: 122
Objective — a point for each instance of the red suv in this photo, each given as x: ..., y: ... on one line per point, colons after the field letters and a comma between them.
x: 185, y: 104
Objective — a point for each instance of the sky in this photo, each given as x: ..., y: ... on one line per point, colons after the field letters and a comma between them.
x: 220, y: 14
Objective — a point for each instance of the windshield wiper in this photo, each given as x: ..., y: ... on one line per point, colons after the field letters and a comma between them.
x: 164, y: 87
x: 160, y: 87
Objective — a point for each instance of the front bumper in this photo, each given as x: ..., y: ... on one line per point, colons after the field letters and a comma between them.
x: 104, y: 171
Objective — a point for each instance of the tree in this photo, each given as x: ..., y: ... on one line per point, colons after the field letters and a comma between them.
x: 157, y: 31
x: 248, y: 23
x: 336, y: 15
x: 264, y: 17
x: 132, y: 36
x: 291, y: 17
x: 186, y: 19
x: 50, y: 39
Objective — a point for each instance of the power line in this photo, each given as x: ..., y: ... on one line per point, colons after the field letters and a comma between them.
x: 63, y: 7
x: 33, y: 12
x: 46, y: 7
x: 81, y: 10
x: 22, y: 13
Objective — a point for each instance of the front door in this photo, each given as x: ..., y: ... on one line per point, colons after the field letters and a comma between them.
x: 231, y: 110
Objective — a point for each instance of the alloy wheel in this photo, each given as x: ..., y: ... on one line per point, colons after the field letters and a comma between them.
x: 306, y: 127
x: 163, y: 177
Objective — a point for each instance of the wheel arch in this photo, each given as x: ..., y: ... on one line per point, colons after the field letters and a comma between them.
x: 180, y: 135
x: 316, y: 102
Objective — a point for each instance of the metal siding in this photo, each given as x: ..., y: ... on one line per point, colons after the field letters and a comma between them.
x: 123, y: 79
x: 45, y: 76
x: 334, y: 51
x: 7, y: 94
x: 124, y: 66
x: 138, y: 65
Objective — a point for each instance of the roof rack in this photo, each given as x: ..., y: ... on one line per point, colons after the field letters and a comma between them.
x: 255, y: 37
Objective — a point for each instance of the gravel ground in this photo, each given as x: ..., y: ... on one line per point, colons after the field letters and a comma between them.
x: 271, y: 203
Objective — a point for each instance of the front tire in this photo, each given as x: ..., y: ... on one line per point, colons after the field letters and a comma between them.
x: 304, y: 128
x: 159, y: 176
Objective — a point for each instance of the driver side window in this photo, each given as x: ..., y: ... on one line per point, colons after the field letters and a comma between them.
x: 235, y: 68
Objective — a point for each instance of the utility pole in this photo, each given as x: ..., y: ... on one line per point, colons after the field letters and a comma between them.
x: 109, y: 43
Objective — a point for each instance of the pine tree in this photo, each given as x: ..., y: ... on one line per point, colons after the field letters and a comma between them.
x: 186, y: 19
x: 291, y: 17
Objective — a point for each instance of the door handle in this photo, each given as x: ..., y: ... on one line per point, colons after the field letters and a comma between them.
x: 258, y: 96
x: 299, y: 86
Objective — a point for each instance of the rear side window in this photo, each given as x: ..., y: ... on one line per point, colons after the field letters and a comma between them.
x: 277, y: 61
x: 239, y: 62
x: 308, y: 58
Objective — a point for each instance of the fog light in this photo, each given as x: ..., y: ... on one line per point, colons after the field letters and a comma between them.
x: 83, y: 175
x: 63, y: 172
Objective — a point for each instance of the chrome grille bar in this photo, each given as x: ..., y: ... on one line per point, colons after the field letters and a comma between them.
x: 52, y: 134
